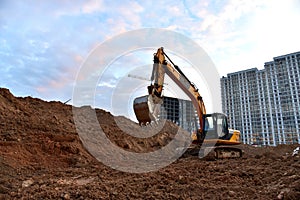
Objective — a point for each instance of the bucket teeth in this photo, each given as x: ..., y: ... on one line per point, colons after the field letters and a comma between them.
x: 147, y: 109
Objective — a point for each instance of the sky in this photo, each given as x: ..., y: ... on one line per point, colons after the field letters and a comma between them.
x: 43, y: 44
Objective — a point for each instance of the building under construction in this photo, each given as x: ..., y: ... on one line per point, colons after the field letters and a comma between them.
x: 181, y: 112
x: 265, y: 104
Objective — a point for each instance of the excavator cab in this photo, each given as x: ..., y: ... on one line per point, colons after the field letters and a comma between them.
x: 215, y: 126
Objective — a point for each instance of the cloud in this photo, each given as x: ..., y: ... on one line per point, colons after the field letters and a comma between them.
x: 244, y: 34
x: 275, y: 27
x: 92, y: 6
x: 41, y: 50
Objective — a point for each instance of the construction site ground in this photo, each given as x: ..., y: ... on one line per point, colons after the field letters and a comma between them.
x: 42, y: 157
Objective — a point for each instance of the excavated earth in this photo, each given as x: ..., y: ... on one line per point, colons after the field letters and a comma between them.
x: 43, y: 157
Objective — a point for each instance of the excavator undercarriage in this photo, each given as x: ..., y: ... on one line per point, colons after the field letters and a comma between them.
x: 213, y: 152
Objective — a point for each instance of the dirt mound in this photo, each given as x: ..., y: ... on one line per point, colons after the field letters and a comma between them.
x: 42, y: 157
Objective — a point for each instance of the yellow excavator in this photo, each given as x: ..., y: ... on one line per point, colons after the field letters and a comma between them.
x: 213, y: 127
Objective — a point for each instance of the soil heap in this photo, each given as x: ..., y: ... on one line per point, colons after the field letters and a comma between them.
x: 42, y: 157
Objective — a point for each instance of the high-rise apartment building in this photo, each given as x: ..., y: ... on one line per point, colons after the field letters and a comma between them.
x: 265, y: 104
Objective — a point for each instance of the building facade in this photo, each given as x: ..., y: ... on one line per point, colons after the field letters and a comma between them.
x: 265, y: 104
x: 181, y: 112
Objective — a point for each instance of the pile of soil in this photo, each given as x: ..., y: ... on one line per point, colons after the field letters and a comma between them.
x: 43, y: 157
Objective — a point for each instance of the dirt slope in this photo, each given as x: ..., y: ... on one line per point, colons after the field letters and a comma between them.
x: 42, y: 157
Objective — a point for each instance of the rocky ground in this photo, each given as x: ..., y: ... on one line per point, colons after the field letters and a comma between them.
x: 42, y: 157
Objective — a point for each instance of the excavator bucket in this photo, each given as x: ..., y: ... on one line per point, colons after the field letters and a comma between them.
x: 147, y: 108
